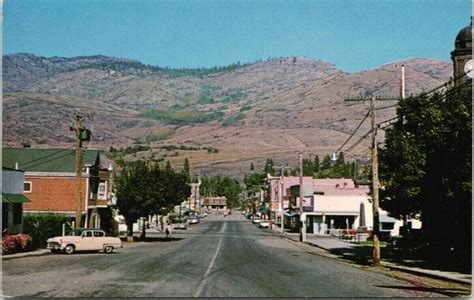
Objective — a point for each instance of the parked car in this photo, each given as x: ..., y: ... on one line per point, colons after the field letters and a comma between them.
x: 193, y: 220
x: 264, y: 224
x: 84, y: 239
x: 256, y: 220
x: 179, y: 223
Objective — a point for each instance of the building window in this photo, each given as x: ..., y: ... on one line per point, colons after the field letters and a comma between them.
x: 387, y: 226
x: 27, y: 187
x: 17, y: 213
x: 102, y: 192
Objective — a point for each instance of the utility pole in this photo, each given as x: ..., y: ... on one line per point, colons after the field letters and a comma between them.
x: 301, y: 197
x: 402, y: 92
x: 375, y: 187
x: 375, y: 176
x: 82, y: 134
x: 78, y: 170
x: 268, y: 188
x: 282, y: 210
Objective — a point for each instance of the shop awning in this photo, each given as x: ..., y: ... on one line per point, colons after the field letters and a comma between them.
x: 386, y: 219
x: 291, y: 214
x: 14, y: 198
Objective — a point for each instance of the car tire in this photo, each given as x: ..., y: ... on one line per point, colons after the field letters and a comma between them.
x: 69, y: 249
x: 108, y: 249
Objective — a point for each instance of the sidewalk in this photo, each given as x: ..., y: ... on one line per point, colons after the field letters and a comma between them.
x: 348, y: 251
x: 25, y: 254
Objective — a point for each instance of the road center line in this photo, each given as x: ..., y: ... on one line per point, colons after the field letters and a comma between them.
x: 204, y: 280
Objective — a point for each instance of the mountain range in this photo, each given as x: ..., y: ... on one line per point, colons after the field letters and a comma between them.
x: 248, y: 112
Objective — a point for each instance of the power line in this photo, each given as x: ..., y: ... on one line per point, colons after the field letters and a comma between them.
x: 53, y: 159
x: 396, y: 118
x: 46, y: 156
x: 357, y: 128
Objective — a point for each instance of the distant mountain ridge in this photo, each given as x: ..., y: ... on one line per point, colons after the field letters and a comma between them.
x: 275, y: 107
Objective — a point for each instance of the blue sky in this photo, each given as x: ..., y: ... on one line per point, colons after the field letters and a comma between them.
x: 353, y: 34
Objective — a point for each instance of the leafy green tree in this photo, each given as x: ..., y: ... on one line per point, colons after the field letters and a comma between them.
x: 254, y: 181
x: 131, y: 199
x: 186, y: 169
x: 326, y: 164
x: 316, y: 164
x: 308, y: 167
x: 426, y: 169
x: 141, y: 191
x: 222, y: 187
x: 269, y: 167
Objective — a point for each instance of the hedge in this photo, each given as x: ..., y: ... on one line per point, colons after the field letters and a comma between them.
x: 41, y: 227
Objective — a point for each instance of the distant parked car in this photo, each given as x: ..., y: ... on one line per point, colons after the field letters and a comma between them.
x: 193, y: 220
x: 179, y: 223
x: 264, y: 224
x: 84, y: 240
x: 256, y: 220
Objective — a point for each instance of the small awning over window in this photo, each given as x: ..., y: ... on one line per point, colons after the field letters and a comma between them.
x: 386, y: 219
x: 14, y: 198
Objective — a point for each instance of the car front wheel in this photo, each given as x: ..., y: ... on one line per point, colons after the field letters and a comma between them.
x: 108, y: 249
x: 69, y: 249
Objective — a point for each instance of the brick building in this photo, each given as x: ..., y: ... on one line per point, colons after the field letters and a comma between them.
x: 51, y: 185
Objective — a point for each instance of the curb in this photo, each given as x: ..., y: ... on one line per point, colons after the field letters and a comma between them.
x: 25, y: 254
x: 426, y: 274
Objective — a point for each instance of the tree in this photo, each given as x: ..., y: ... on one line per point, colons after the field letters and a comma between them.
x: 131, y: 200
x: 308, y: 167
x: 426, y: 169
x: 269, y: 167
x: 218, y: 186
x: 142, y: 191
x: 254, y: 181
x: 186, y: 169
x: 326, y: 164
x: 316, y: 164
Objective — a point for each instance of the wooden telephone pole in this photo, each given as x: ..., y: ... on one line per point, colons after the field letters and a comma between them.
x: 301, y: 197
x: 78, y: 170
x: 375, y: 187
x: 375, y: 167
x: 82, y: 134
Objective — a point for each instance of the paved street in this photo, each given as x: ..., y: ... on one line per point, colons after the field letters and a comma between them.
x: 216, y: 258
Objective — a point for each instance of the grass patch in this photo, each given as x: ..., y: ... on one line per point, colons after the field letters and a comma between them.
x: 234, y: 119
x: 174, y: 116
x: 236, y: 96
x: 245, y: 108
x: 158, y: 136
x: 371, y: 243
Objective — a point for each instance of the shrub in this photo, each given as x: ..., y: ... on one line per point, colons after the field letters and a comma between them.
x: 245, y: 107
x: 8, y: 244
x: 43, y: 226
x: 24, y: 242
x: 16, y: 243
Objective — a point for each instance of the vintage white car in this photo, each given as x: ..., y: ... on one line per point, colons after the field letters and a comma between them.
x: 84, y: 240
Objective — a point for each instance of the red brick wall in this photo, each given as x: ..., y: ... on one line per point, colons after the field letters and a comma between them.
x: 53, y: 194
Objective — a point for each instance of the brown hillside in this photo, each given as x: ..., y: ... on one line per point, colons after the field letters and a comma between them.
x: 271, y: 109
